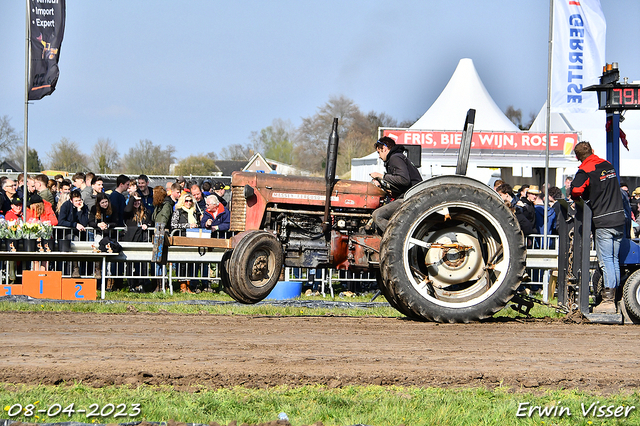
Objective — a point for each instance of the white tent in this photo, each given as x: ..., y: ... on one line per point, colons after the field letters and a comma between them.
x: 465, y: 90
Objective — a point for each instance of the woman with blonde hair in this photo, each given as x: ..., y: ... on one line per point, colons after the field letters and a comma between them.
x: 62, y: 197
x: 185, y: 215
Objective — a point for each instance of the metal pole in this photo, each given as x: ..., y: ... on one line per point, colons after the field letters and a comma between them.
x: 27, y: 78
x: 546, y: 159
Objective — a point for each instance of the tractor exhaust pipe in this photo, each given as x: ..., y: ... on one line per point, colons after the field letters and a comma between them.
x: 330, y: 174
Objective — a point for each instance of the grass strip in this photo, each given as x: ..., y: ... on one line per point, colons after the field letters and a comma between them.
x: 370, y: 405
x: 221, y: 304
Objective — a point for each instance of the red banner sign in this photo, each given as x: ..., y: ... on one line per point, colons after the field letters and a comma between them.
x: 561, y: 143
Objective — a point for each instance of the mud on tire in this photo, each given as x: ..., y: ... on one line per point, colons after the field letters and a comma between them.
x: 255, y: 266
x: 224, y: 278
x: 463, y: 283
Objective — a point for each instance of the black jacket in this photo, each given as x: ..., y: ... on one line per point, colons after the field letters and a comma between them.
x: 69, y: 215
x: 110, y: 220
x: 529, y: 211
x: 597, y: 183
x: 133, y: 229
x: 401, y: 173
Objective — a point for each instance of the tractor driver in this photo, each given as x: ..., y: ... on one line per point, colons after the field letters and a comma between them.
x: 400, y: 175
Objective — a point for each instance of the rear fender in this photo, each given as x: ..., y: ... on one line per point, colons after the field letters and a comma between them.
x: 449, y: 180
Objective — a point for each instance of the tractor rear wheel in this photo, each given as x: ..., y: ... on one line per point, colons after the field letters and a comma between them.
x: 453, y: 252
x: 391, y: 298
x: 255, y: 266
x: 631, y: 296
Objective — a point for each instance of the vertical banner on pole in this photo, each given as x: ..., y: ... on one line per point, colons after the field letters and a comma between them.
x: 46, y: 22
x: 579, y: 35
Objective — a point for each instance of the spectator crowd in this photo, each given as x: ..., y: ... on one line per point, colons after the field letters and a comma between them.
x: 84, y: 206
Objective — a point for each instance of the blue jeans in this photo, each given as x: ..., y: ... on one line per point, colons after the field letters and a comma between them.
x: 608, y: 249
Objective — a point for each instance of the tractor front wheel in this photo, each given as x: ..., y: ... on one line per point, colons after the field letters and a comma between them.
x: 254, y: 266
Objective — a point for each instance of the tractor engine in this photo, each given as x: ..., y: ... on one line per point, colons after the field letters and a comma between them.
x: 293, y: 209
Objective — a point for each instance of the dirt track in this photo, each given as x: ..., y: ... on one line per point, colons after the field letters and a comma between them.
x: 222, y: 351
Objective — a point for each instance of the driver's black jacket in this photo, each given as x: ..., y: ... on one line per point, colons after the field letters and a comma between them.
x: 401, y: 173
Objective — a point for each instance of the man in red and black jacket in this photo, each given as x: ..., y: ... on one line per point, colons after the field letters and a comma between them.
x: 597, y: 183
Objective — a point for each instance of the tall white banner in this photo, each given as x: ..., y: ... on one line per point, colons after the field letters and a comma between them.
x: 579, y: 36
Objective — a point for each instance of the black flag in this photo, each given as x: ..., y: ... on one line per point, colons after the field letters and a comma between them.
x: 46, y: 19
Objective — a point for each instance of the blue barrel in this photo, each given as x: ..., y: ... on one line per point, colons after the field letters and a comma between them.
x: 285, y: 290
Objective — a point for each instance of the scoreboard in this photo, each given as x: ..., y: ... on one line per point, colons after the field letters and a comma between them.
x: 613, y: 95
x: 625, y: 96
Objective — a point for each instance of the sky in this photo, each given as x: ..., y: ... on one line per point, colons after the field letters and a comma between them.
x: 203, y: 74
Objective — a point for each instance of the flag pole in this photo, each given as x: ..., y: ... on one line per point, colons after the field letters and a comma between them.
x: 27, y: 55
x: 548, y: 128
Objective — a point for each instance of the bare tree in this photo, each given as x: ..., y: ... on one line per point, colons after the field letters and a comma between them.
x: 148, y: 158
x: 357, y: 134
x: 528, y: 124
x: 200, y: 165
x: 9, y: 138
x: 236, y: 152
x: 515, y: 115
x: 105, y: 157
x: 381, y: 120
x: 66, y: 155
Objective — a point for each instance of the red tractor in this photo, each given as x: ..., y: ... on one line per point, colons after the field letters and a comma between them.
x: 453, y: 251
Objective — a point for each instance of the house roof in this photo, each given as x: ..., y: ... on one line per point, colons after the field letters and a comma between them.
x: 8, y: 164
x: 226, y: 167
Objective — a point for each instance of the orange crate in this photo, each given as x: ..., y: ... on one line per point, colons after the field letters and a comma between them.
x: 42, y: 284
x: 77, y: 289
x: 11, y: 290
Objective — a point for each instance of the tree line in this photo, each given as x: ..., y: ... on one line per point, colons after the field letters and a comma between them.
x: 303, y: 147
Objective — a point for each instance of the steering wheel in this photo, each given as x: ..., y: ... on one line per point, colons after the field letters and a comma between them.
x: 386, y: 186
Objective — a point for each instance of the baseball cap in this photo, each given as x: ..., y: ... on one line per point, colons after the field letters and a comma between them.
x: 220, y: 185
x: 181, y: 179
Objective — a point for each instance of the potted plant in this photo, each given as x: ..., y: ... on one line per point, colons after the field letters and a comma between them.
x: 14, y: 235
x: 3, y: 235
x: 46, y: 236
x: 30, y: 233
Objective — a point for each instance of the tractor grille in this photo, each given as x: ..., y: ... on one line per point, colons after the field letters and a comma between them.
x: 238, y: 209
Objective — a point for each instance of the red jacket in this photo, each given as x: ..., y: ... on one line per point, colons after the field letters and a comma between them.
x: 47, y: 216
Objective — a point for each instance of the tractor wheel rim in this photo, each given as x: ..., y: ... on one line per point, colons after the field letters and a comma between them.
x: 262, y: 265
x: 479, y: 271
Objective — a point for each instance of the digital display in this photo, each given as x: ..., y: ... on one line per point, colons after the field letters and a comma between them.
x: 624, y: 97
